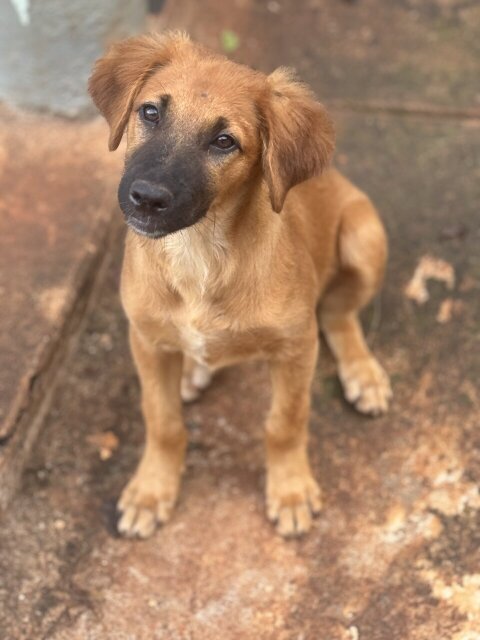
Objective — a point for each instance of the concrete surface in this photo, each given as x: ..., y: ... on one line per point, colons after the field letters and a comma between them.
x: 47, y: 48
x: 395, y: 554
x: 57, y: 185
x: 401, y: 54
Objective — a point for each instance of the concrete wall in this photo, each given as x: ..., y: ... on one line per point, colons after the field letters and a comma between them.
x: 47, y: 48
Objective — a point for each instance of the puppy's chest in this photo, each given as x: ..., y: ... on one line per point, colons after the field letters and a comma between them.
x: 217, y: 340
x: 209, y: 340
x: 196, y: 341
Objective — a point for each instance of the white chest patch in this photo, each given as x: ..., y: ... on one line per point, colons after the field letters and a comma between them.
x: 194, y: 343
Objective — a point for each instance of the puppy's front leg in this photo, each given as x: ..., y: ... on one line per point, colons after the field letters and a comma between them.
x: 293, y: 496
x: 150, y: 495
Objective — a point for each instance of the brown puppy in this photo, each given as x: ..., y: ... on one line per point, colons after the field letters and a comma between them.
x: 239, y: 234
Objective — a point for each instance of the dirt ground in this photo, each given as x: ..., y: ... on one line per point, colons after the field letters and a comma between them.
x: 395, y: 554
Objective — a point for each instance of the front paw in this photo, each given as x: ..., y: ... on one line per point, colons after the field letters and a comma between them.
x: 292, y: 501
x: 366, y: 386
x: 147, y: 500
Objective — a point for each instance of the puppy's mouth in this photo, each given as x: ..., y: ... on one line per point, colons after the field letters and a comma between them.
x: 154, y: 226
x: 148, y: 227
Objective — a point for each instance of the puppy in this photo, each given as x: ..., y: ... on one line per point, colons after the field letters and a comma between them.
x: 239, y: 233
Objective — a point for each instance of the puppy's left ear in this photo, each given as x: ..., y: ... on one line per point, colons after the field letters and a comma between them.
x: 118, y: 76
x: 298, y: 135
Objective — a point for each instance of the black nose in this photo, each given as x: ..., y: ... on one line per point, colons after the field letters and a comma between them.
x: 150, y: 197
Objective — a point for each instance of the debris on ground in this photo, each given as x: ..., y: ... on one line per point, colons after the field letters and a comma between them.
x: 429, y: 268
x: 106, y: 442
x: 449, y: 309
x: 457, y: 231
x: 353, y: 633
x: 230, y: 41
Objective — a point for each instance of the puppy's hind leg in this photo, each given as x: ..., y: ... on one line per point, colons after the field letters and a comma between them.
x: 362, y: 257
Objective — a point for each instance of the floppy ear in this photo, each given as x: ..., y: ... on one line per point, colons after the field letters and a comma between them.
x: 298, y: 135
x: 119, y: 75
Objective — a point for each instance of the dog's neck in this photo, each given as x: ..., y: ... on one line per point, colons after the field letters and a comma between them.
x: 194, y: 254
x: 222, y: 247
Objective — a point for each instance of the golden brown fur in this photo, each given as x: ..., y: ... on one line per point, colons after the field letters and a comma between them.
x: 244, y: 282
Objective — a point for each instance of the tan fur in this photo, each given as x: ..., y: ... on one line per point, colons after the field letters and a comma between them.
x: 244, y: 282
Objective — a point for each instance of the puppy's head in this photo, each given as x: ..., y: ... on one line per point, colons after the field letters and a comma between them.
x: 201, y: 130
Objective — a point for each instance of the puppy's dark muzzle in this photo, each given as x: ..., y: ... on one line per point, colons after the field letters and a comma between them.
x: 162, y: 192
x: 150, y: 198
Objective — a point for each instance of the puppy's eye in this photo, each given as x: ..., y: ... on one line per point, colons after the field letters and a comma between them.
x: 149, y: 112
x: 224, y: 142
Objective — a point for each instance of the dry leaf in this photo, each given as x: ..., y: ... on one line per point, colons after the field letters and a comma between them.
x: 429, y: 268
x: 106, y: 443
x: 421, y: 396
x: 448, y: 309
x: 468, y: 284
x: 444, y: 314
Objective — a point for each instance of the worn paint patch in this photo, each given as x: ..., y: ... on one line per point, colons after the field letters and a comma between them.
x: 22, y: 7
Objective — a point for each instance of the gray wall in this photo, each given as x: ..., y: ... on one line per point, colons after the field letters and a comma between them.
x: 47, y: 48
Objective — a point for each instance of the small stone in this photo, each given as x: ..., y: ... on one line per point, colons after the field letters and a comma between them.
x: 59, y: 524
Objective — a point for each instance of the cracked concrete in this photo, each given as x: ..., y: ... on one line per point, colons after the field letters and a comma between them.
x: 57, y: 184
